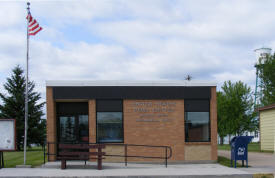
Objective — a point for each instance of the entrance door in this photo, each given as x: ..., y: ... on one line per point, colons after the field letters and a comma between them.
x: 67, y: 129
x: 73, y: 129
x: 72, y: 123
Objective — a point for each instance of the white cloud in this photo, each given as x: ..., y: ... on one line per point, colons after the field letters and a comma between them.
x: 242, y: 75
x: 121, y: 39
x: 9, y: 13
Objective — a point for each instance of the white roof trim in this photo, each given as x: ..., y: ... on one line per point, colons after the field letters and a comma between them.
x: 55, y: 83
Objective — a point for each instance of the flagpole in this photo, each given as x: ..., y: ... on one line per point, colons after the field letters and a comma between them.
x: 26, y: 93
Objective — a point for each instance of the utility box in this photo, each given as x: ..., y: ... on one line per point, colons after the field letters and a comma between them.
x: 239, y: 149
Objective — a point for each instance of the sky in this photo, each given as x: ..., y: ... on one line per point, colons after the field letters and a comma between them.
x: 211, y: 40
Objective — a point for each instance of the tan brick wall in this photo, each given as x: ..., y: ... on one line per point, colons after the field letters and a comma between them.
x: 197, y: 152
x: 213, y: 121
x: 154, y: 125
x: 114, y: 150
x: 51, y: 122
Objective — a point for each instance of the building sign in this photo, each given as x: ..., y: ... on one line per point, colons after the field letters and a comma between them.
x: 7, y: 135
x: 154, y: 111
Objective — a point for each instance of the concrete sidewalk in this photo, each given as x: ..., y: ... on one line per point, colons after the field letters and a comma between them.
x: 259, y: 162
x: 77, y: 169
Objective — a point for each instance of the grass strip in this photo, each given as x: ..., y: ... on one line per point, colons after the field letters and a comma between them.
x: 226, y: 162
x: 252, y: 147
x: 263, y: 176
x: 35, y: 157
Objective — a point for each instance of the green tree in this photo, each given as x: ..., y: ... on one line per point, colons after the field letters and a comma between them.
x: 13, y: 106
x: 266, y: 71
x: 235, y: 109
x: 223, y: 123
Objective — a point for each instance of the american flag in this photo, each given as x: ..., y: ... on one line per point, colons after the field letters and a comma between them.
x: 33, y: 26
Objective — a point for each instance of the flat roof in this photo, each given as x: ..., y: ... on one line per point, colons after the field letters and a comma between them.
x: 79, y: 83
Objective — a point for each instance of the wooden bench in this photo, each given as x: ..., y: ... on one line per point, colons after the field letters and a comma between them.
x: 78, y: 152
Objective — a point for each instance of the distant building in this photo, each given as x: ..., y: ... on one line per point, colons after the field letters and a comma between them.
x: 255, y: 134
x: 267, y: 127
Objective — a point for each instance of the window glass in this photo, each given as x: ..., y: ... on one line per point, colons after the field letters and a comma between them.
x: 83, y: 128
x: 73, y: 129
x: 256, y: 134
x: 109, y: 127
x: 197, y: 127
x: 67, y: 129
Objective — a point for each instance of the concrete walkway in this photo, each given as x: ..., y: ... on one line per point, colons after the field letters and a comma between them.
x: 77, y: 169
x: 259, y: 162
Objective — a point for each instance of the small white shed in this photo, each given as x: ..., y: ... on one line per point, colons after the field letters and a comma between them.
x: 267, y: 127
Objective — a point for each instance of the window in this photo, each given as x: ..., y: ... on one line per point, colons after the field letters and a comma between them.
x: 109, y: 121
x: 109, y: 127
x: 256, y: 134
x: 197, y: 121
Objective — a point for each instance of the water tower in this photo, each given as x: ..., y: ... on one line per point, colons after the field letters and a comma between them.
x: 261, y: 56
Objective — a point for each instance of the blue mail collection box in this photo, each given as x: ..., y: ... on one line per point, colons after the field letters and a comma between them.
x: 239, y: 149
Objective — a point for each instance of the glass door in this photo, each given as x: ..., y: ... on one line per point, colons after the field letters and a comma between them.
x: 73, y: 129
x: 83, y: 130
x: 67, y: 128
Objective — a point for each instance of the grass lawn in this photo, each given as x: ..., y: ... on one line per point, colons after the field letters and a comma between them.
x: 253, y: 147
x: 35, y: 157
x: 226, y: 162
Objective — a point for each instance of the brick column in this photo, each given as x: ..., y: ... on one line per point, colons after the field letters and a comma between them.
x: 213, y: 116
x: 51, y: 122
x: 92, y: 123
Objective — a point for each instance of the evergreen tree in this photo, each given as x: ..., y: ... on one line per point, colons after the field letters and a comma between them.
x: 266, y: 71
x: 13, y: 106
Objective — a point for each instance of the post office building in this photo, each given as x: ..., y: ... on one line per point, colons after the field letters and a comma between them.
x: 139, y: 114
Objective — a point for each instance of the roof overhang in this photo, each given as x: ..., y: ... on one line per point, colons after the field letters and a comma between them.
x: 79, y: 83
x: 272, y: 106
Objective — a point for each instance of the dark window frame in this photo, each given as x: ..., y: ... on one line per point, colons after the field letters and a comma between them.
x: 122, y: 109
x: 209, y: 123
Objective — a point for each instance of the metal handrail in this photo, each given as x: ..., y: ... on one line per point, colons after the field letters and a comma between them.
x: 125, y: 155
